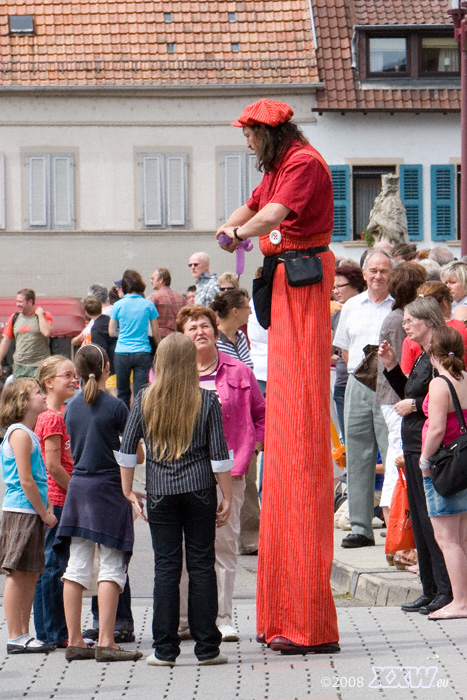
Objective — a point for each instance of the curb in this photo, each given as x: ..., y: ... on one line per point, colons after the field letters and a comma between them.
x: 383, y: 587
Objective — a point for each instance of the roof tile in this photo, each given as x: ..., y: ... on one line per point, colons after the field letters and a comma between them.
x: 335, y: 21
x: 81, y: 35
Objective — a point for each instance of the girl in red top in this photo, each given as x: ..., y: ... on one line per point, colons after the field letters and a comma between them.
x: 58, y: 380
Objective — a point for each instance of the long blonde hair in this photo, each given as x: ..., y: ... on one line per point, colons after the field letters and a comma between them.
x: 172, y: 404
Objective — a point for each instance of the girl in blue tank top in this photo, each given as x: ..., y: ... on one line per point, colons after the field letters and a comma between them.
x: 25, y: 513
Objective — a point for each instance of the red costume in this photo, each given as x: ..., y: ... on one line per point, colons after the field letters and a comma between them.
x: 294, y: 598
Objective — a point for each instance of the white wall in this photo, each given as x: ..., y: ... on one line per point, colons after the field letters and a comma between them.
x: 414, y: 139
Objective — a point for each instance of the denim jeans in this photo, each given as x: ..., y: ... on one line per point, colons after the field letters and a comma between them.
x: 171, y: 518
x: 140, y: 363
x: 339, y: 396
x: 49, y: 615
x: 124, y: 618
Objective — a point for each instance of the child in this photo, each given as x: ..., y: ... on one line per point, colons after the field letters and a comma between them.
x: 95, y: 510
x: 182, y: 427
x: 57, y: 378
x: 25, y: 511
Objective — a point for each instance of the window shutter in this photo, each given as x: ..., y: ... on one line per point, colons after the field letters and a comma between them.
x: 175, y: 170
x: 442, y: 202
x: 2, y: 192
x: 37, y: 191
x: 412, y: 196
x: 62, y: 190
x: 254, y: 175
x: 233, y: 183
x: 152, y: 191
x: 341, y: 186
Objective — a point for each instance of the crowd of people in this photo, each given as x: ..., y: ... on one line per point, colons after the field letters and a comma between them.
x: 179, y: 382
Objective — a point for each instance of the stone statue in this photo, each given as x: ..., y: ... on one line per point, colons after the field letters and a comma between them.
x: 388, y: 220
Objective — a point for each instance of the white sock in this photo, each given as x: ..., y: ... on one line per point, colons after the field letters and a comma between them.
x: 18, y: 640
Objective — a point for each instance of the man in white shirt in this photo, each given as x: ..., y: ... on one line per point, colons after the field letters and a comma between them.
x: 365, y: 429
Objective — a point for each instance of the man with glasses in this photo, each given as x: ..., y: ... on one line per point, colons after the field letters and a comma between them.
x: 207, y: 285
x: 365, y: 429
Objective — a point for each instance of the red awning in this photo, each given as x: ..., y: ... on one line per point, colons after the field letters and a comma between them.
x: 67, y: 313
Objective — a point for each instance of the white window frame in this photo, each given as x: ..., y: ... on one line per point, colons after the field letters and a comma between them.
x: 164, y: 190
x: 239, y: 178
x: 50, y: 191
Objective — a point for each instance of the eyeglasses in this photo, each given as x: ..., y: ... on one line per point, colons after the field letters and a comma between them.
x: 68, y: 376
x: 193, y: 264
x: 409, y: 321
x: 339, y: 286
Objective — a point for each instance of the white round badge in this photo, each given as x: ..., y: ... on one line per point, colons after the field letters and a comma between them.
x: 275, y: 237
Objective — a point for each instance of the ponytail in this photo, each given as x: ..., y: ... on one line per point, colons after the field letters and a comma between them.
x: 90, y: 361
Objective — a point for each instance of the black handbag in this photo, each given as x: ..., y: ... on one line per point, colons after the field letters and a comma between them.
x: 449, y: 464
x: 302, y: 267
x: 367, y: 371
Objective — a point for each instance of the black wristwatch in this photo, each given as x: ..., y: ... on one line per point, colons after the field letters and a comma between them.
x: 235, y: 229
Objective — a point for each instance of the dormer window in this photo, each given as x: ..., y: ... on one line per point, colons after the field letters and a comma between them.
x: 388, y: 55
x: 394, y: 53
x: 21, y: 25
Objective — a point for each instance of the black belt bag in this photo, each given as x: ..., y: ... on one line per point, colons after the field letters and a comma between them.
x: 302, y: 267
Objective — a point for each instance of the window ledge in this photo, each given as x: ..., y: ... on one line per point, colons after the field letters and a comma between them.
x: 411, y: 84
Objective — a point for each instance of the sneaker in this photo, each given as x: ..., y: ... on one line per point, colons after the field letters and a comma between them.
x: 229, y: 633
x: 29, y: 646
x: 154, y: 661
x: 110, y: 654
x: 124, y: 636
x: 215, y: 661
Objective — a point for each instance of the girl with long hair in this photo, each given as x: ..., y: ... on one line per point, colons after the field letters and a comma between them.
x: 186, y: 451
x: 57, y: 378
x: 96, y: 512
x: 25, y: 511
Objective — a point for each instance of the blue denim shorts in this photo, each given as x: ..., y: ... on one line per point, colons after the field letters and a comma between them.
x: 443, y: 505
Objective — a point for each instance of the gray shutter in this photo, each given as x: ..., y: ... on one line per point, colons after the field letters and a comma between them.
x: 37, y: 191
x: 152, y: 190
x: 62, y: 191
x: 233, y: 183
x: 254, y: 175
x: 175, y: 188
x: 2, y: 192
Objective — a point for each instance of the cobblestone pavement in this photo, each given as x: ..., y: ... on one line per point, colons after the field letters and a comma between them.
x: 385, y: 654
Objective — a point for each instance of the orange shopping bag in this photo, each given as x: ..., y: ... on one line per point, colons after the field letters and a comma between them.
x: 400, y: 533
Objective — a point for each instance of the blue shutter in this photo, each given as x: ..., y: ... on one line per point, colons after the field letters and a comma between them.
x: 411, y: 178
x: 442, y: 202
x: 341, y: 186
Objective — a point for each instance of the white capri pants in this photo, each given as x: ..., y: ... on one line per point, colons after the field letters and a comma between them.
x: 80, y: 566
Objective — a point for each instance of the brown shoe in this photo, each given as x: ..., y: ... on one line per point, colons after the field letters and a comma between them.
x: 79, y: 653
x: 118, y: 654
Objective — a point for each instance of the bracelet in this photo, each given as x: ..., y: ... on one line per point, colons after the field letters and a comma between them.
x: 424, y: 463
x: 234, y: 231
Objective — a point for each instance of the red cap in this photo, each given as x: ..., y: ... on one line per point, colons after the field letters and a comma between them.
x: 264, y: 112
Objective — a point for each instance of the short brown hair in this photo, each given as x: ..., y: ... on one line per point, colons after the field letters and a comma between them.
x: 92, y: 306
x: 132, y: 282
x: 28, y: 294
x: 164, y: 275
x: 194, y: 312
x: 15, y: 400
x: 403, y: 282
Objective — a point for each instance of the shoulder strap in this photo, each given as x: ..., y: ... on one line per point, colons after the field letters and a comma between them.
x: 457, y: 406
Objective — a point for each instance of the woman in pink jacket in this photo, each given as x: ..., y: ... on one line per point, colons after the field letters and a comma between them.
x: 243, y: 412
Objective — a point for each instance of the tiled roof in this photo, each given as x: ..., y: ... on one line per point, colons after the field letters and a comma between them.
x: 95, y: 42
x: 335, y: 21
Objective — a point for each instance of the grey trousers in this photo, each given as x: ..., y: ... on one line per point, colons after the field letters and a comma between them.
x: 365, y: 432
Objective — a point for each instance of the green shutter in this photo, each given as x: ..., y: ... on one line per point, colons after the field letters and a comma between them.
x: 411, y: 191
x: 442, y: 202
x: 341, y: 186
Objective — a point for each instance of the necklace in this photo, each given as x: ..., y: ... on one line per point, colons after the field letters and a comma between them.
x: 206, y: 368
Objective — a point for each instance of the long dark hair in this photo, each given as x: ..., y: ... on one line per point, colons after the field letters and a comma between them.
x: 275, y: 141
